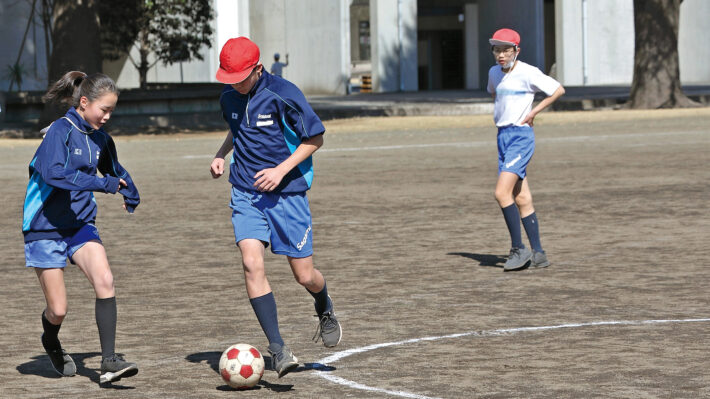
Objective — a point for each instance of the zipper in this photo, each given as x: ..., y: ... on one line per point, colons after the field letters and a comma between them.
x: 88, y: 147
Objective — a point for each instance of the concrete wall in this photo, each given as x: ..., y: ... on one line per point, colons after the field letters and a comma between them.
x: 694, y: 42
x: 315, y: 34
x: 609, y: 38
x: 393, y: 27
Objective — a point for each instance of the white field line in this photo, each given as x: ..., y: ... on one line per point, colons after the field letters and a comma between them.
x: 569, y: 139
x: 486, y: 333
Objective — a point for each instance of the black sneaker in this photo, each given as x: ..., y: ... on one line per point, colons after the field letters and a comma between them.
x: 282, y: 359
x: 328, y: 329
x: 62, y: 363
x: 114, y: 368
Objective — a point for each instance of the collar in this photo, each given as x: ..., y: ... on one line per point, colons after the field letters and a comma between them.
x: 78, y: 122
x: 263, y: 82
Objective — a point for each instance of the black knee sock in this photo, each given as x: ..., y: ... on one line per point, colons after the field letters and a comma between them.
x: 265, y: 310
x: 322, y: 301
x: 50, y: 338
x: 106, y: 321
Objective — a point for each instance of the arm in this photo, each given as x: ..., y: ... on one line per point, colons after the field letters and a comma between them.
x: 270, y: 178
x: 217, y: 166
x: 109, y: 166
x: 543, y: 104
x: 51, y: 166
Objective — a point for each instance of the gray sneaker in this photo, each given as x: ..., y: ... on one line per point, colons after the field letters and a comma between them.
x: 114, y: 368
x: 282, y: 359
x: 539, y: 259
x: 62, y: 363
x: 328, y: 329
x: 517, y: 259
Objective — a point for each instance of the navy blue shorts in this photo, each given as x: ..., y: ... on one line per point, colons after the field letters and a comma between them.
x: 516, y: 145
x: 50, y: 254
x: 284, y: 220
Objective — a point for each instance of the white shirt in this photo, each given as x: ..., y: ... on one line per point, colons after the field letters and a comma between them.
x: 515, y: 91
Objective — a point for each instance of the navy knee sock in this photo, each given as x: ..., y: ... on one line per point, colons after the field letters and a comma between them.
x: 50, y: 337
x: 322, y: 301
x: 512, y: 220
x: 106, y: 315
x: 265, y: 310
x: 531, y: 228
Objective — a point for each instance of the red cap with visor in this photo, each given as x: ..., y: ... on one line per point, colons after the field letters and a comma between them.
x: 238, y: 58
x: 505, y: 37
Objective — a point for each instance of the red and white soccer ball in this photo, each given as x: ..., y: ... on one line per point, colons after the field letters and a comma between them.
x: 241, y: 366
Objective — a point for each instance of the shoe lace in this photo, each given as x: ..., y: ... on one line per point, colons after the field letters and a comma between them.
x: 325, y: 323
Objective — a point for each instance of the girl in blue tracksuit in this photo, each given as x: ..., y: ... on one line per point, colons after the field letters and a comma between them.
x: 60, y: 213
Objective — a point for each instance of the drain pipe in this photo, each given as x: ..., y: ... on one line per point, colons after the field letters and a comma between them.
x: 585, y: 56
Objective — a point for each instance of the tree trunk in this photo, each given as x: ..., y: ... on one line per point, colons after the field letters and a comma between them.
x: 144, y: 51
x: 656, y: 82
x: 76, y: 45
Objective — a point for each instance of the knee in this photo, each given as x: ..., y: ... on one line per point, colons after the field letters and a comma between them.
x: 56, y: 313
x: 502, y: 196
x: 305, y: 279
x: 252, y: 264
x: 523, y: 200
x: 104, y: 284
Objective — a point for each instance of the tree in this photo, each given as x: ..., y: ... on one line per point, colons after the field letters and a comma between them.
x: 656, y: 81
x: 75, y: 44
x: 171, y: 30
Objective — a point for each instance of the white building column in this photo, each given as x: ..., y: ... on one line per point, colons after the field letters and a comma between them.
x: 393, y: 24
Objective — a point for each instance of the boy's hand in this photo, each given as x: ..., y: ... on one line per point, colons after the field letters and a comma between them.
x: 529, y: 119
x: 217, y: 167
x: 268, y: 179
x: 121, y: 184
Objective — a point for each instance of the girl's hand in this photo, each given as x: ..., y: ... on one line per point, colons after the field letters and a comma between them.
x: 268, y: 179
x: 122, y: 184
x: 217, y: 167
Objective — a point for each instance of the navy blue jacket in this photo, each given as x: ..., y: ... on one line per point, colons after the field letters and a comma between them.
x: 268, y: 124
x: 59, y: 198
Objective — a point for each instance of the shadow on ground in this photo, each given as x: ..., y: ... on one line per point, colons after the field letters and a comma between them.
x: 212, y: 359
x: 41, y: 366
x: 483, y: 259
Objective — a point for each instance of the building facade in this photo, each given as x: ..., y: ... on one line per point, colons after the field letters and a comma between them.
x: 400, y: 45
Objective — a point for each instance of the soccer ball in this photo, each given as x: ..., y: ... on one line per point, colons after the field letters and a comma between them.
x: 241, y: 366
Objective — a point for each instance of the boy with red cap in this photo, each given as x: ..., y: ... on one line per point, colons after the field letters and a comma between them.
x: 273, y: 132
x: 513, y: 85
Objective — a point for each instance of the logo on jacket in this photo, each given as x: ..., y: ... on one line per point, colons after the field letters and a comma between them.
x: 77, y: 151
x: 235, y: 115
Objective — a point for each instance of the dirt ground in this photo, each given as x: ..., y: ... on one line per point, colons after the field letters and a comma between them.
x: 411, y: 241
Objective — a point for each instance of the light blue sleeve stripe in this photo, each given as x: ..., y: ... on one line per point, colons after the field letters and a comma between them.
x: 292, y: 141
x: 37, y: 193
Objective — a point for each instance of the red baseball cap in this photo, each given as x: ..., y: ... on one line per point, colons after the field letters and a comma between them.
x: 505, y: 37
x: 237, y: 59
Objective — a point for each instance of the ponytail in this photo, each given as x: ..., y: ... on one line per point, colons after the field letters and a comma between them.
x: 62, y: 91
x: 75, y: 84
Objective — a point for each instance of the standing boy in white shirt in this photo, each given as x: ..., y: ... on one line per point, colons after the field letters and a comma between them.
x: 513, y: 84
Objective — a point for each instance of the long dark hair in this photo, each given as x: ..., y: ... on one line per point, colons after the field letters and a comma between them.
x: 75, y: 84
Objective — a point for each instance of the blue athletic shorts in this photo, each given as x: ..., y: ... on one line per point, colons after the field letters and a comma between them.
x: 284, y: 220
x: 48, y: 254
x: 516, y: 145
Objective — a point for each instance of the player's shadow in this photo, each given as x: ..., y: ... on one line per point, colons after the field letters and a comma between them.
x: 41, y: 366
x: 487, y: 260
x: 212, y: 359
